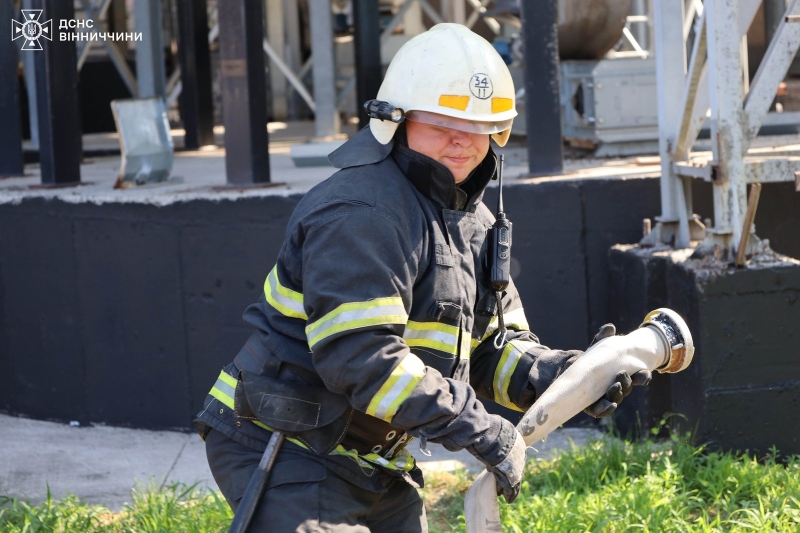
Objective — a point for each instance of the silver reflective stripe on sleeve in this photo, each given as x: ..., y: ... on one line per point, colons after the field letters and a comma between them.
x: 512, y: 353
x: 283, y: 299
x: 356, y: 315
x: 397, y: 388
x: 433, y: 335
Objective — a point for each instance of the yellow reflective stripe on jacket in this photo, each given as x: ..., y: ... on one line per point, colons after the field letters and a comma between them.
x: 513, y: 319
x: 285, y: 300
x: 397, y: 388
x: 356, y: 315
x: 466, y: 341
x: 432, y: 335
x: 223, y: 390
x: 474, y: 343
x: 512, y: 353
x: 403, y: 461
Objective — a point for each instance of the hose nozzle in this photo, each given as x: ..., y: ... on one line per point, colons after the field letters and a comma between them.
x: 676, y: 335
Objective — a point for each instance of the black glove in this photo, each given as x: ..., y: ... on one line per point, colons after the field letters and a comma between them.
x: 505, y: 459
x: 623, y: 383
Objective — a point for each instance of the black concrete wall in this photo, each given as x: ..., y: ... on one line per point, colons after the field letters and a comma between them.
x: 742, y: 391
x: 124, y: 313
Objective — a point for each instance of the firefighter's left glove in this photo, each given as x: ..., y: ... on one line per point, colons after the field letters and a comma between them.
x: 623, y: 383
x: 505, y: 459
x: 547, y: 366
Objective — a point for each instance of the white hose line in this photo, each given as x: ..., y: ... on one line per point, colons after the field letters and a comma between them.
x: 665, y: 346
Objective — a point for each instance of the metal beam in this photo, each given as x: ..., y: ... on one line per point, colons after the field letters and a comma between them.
x: 11, y: 162
x: 431, y: 12
x: 542, y: 87
x: 57, y: 102
x: 276, y: 40
x: 368, y: 55
x: 29, y: 68
x: 691, y: 95
x: 396, y: 19
x: 324, y: 70
x: 725, y: 83
x: 197, y: 105
x: 479, y: 7
x: 295, y: 81
x: 241, y: 36
x: 97, y: 13
x: 670, y: 76
x: 747, y: 12
x: 150, y: 69
x: 293, y: 50
x: 776, y: 62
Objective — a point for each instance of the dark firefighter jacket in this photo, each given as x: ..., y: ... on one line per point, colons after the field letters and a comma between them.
x: 379, y: 290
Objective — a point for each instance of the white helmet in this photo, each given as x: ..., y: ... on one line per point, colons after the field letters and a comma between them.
x: 449, y: 71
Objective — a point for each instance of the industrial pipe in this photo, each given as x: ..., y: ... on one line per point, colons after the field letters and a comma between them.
x: 663, y: 343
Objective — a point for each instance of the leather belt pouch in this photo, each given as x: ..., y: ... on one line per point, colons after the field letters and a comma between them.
x: 315, y: 415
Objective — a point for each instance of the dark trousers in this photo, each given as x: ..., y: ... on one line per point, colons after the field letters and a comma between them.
x: 305, y: 497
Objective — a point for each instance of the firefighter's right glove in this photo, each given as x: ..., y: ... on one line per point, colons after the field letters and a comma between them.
x: 505, y: 459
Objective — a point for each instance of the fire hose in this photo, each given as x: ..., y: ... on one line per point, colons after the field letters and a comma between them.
x: 662, y: 343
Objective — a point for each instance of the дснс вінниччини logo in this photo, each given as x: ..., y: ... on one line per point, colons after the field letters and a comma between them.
x: 31, y: 29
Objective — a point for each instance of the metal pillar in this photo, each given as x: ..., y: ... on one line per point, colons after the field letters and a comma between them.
x: 725, y: 84
x: 276, y: 39
x: 324, y: 69
x: 292, y: 53
x: 241, y: 35
x: 542, y: 106
x: 11, y: 163
x: 57, y: 102
x: 29, y: 69
x: 197, y: 107
x: 368, y: 55
x: 670, y: 76
x: 118, y: 21
x: 150, y: 70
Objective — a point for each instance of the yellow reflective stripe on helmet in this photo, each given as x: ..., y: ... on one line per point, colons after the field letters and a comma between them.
x: 512, y: 353
x: 356, y: 315
x: 285, y: 300
x: 454, y: 101
x: 502, y: 104
x: 223, y: 390
x: 432, y: 335
x: 397, y: 388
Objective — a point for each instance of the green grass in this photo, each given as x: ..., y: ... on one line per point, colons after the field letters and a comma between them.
x: 608, y: 486
x: 176, y: 508
x: 613, y: 486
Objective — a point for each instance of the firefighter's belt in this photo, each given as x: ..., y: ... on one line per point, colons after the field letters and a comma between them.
x: 314, y: 414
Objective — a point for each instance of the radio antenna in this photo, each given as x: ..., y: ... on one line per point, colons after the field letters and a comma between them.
x: 500, y: 184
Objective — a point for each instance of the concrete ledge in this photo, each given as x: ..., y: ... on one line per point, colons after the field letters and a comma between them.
x: 314, y: 154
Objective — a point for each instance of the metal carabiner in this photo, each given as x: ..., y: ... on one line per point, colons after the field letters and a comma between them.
x: 500, y: 340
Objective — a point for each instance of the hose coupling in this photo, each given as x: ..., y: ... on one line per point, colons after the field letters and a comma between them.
x: 676, y: 335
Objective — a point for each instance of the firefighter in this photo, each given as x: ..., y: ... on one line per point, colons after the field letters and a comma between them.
x: 376, y: 325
